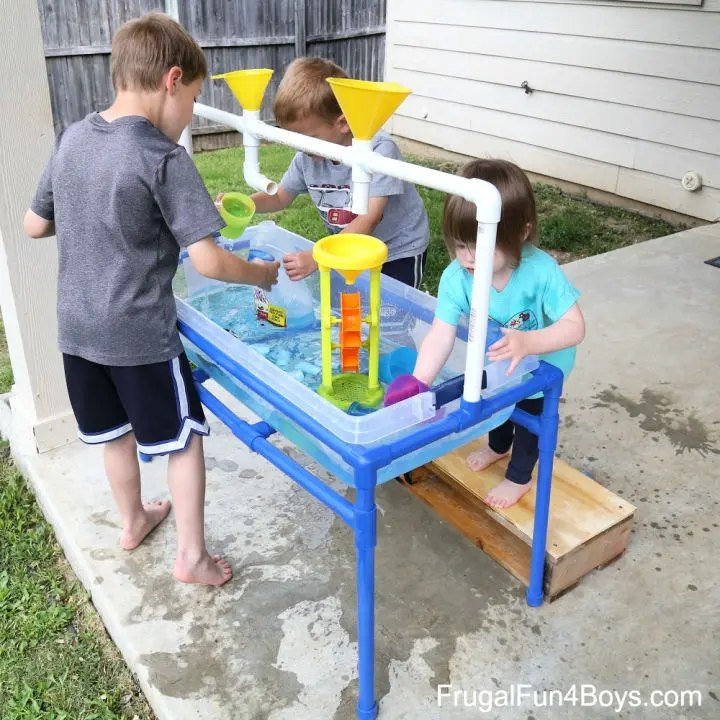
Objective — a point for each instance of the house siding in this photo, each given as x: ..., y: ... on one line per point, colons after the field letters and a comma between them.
x: 625, y: 95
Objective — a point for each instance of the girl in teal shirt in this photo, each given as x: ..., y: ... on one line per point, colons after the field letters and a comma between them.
x: 530, y: 298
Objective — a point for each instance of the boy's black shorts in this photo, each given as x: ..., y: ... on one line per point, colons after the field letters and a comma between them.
x: 407, y: 270
x: 158, y: 402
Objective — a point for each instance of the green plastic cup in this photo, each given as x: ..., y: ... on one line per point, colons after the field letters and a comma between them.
x: 237, y: 211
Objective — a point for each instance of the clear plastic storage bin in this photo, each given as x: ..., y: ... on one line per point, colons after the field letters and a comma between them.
x: 222, y: 315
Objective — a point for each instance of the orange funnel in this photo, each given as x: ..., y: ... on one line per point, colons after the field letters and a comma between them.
x: 248, y: 86
x: 367, y: 105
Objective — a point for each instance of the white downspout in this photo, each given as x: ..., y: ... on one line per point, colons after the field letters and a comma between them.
x: 483, y: 194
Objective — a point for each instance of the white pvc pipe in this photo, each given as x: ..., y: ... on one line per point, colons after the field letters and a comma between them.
x: 251, y: 166
x: 171, y: 9
x: 479, y: 310
x: 360, y: 177
x: 186, y: 140
x: 483, y: 194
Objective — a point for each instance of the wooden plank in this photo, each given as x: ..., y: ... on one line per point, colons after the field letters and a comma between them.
x: 580, y: 508
x: 366, y: 54
x: 602, y: 550
x: 237, y: 42
x: 346, y: 34
x: 71, y: 51
x: 300, y: 28
x: 233, y: 34
x: 480, y: 526
x: 589, y: 525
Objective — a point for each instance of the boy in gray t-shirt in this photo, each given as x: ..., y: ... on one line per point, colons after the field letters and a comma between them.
x: 123, y: 197
x: 306, y: 104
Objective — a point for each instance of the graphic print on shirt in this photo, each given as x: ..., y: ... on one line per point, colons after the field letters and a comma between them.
x: 524, y: 320
x: 333, y: 202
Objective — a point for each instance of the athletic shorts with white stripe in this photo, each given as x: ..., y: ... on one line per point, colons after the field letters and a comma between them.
x: 407, y: 270
x: 158, y: 402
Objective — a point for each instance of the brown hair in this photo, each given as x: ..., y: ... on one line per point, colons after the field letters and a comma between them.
x: 144, y: 49
x: 518, y: 208
x: 304, y: 91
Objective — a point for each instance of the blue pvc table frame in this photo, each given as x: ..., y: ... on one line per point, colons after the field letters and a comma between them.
x: 361, y: 515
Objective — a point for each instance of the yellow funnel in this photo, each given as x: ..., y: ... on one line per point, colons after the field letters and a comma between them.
x: 248, y: 86
x: 350, y: 254
x: 367, y: 105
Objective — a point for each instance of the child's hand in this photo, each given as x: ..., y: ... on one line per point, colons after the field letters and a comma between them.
x: 299, y: 265
x: 218, y: 199
x: 271, y: 273
x: 513, y: 346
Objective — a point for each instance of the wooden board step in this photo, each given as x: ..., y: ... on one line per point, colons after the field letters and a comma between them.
x: 589, y: 525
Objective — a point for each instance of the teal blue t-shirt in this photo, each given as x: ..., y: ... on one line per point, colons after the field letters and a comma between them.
x: 537, y: 295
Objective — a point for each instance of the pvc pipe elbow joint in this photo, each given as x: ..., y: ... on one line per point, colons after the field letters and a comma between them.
x: 251, y: 167
x: 255, y: 179
x: 487, y: 200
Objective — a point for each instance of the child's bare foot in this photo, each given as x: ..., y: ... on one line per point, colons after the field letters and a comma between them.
x: 506, y: 493
x: 154, y: 513
x: 484, y: 458
x: 208, y: 570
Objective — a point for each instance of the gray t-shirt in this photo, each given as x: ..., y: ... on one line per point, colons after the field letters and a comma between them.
x: 125, y: 199
x: 404, y: 225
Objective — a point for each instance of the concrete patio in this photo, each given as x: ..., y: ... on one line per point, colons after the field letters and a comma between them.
x: 642, y: 416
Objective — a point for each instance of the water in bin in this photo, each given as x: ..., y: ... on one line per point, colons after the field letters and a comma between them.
x: 289, y: 303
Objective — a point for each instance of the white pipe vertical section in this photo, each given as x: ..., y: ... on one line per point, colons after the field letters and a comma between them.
x: 360, y: 177
x: 171, y: 9
x: 251, y: 166
x: 186, y: 140
x: 479, y: 310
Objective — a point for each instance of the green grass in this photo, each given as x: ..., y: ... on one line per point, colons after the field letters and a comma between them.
x: 56, y: 662
x: 570, y: 227
x: 575, y: 225
x: 6, y: 376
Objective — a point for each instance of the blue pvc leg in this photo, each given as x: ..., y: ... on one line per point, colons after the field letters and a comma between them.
x: 365, y: 541
x: 547, y: 441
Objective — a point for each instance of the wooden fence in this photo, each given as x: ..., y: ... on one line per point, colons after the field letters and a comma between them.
x: 238, y: 34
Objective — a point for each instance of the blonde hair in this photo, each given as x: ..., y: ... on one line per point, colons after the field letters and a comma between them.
x: 518, y: 220
x: 144, y: 49
x: 304, y: 91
